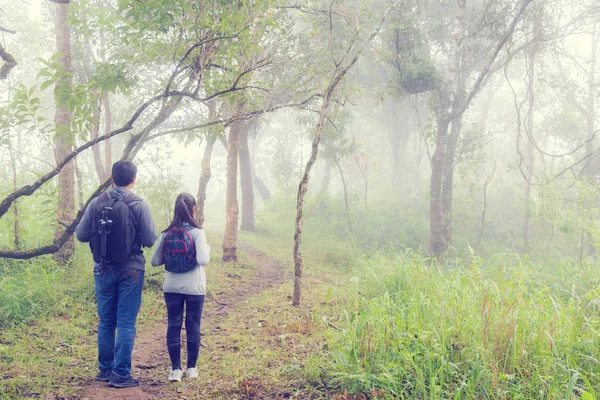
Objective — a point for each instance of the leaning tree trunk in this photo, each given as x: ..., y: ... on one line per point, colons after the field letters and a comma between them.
x: 263, y: 190
x: 231, y: 202
x: 246, y: 181
x: 63, y: 145
x: 303, y: 186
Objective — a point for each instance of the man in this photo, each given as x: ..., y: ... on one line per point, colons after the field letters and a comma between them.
x: 118, y: 284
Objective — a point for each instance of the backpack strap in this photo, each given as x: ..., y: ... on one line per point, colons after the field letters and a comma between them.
x: 192, y: 241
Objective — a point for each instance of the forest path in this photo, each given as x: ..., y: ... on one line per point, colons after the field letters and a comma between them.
x: 150, y: 357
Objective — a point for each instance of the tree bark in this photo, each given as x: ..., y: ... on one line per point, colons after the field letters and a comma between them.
x: 437, y: 243
x: 107, y: 142
x: 99, y: 166
x: 448, y: 180
x: 246, y: 181
x: 259, y: 185
x: 16, y: 224
x: 205, y: 176
x: 79, y: 181
x: 206, y: 173
x: 231, y: 202
x: 63, y: 145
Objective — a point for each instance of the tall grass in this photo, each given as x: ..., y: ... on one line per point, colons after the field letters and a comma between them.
x: 43, y: 287
x: 504, y: 329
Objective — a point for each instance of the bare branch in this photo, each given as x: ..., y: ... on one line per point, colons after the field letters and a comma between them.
x: 7, y: 30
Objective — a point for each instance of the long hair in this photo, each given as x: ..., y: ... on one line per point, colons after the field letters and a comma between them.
x: 184, y: 204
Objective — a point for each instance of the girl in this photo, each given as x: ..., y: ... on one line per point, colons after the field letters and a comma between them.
x: 187, y: 288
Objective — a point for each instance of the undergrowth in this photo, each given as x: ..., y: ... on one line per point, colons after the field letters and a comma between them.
x: 416, y: 329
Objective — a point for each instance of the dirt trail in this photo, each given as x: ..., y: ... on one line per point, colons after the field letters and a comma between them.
x: 150, y: 348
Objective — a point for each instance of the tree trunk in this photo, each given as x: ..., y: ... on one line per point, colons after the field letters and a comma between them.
x: 263, y: 190
x: 302, y: 188
x: 326, y: 176
x: 448, y: 179
x: 99, y: 166
x: 246, y: 181
x: 205, y: 176
x: 337, y: 164
x: 16, y: 225
x: 206, y: 173
x: 231, y: 202
x: 107, y: 143
x: 366, y: 182
x: 591, y: 95
x: 79, y: 180
x: 437, y: 243
x: 395, y: 142
x: 591, y: 120
x: 63, y: 145
x: 529, y: 127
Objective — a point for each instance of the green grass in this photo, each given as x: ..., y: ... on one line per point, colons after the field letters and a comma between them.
x: 419, y: 330
x: 388, y: 324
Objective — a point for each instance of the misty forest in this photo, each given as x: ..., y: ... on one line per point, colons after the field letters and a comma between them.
x: 401, y: 196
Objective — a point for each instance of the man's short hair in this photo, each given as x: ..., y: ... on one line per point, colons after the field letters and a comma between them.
x: 123, y: 172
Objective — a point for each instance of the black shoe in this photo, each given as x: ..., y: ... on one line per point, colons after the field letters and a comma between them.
x: 117, y: 382
x: 104, y: 376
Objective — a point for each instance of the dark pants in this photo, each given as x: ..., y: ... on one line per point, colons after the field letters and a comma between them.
x: 193, y: 313
x: 119, y: 295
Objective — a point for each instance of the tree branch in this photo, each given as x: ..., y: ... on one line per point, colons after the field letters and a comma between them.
x: 9, y: 63
x: 486, y: 70
x: 2, y: 29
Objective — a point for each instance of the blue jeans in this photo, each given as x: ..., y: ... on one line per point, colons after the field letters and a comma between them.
x: 119, y: 295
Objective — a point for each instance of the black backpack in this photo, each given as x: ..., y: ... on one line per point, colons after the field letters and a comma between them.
x: 119, y: 242
x: 179, y: 251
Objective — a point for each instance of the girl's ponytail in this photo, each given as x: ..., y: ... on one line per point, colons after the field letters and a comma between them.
x: 184, y: 204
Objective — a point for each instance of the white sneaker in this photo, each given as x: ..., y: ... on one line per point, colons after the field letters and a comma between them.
x: 191, y: 372
x: 175, y: 375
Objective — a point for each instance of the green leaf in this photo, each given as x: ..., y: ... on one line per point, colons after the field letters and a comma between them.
x: 587, y: 396
x: 45, y: 84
